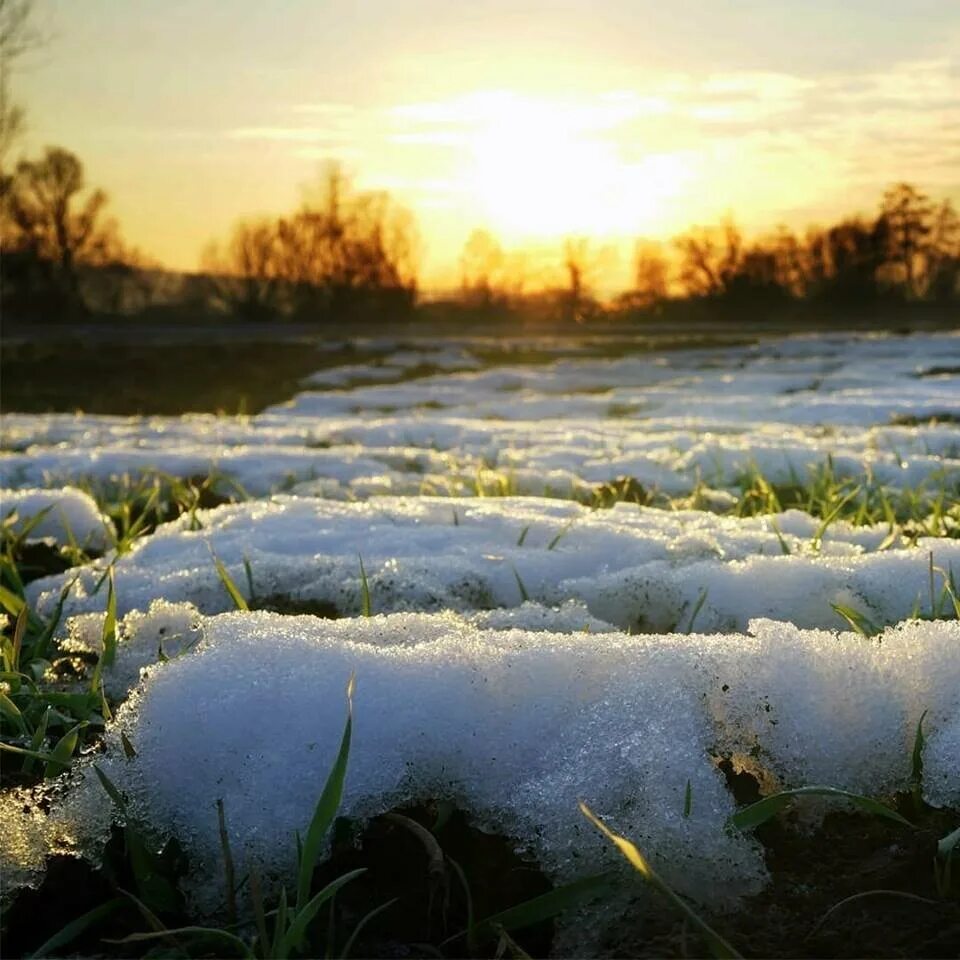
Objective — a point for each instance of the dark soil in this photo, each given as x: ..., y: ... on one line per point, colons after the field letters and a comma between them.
x: 850, y: 855
x: 801, y: 914
x: 126, y: 375
x: 41, y: 558
x: 278, y: 603
x: 806, y: 911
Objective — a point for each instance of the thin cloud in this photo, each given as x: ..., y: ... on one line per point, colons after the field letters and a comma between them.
x: 289, y: 134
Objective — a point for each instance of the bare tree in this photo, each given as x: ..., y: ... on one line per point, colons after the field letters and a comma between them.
x: 580, y: 265
x: 944, y: 267
x: 52, y: 226
x: 247, y: 276
x: 340, y: 253
x: 17, y: 37
x: 908, y: 214
x: 651, y: 275
x: 709, y: 259
x: 482, y: 265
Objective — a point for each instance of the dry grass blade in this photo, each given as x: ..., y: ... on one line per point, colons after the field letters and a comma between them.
x: 719, y: 948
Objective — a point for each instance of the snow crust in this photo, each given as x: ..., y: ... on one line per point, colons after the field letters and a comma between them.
x: 515, y: 726
x: 72, y: 516
x: 669, y: 420
x: 527, y: 651
x: 637, y: 568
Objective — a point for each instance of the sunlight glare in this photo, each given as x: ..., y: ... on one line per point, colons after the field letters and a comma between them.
x: 546, y: 169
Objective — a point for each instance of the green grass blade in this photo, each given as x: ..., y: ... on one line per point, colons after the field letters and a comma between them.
x: 195, y: 935
x: 948, y: 844
x: 767, y: 808
x: 23, y: 752
x: 701, y: 600
x: 943, y: 865
x: 471, y: 933
x: 916, y: 761
x: 128, y: 749
x: 280, y: 927
x: 72, y: 930
x: 41, y: 647
x: 236, y: 596
x: 19, y: 631
x: 112, y: 792
x: 248, y: 571
x: 366, y: 607
x: 524, y: 596
x: 719, y: 948
x: 547, y: 905
x: 36, y: 742
x: 11, y: 603
x: 326, y: 808
x: 358, y: 929
x: 12, y: 712
x: 109, y: 634
x: 784, y: 546
x: 259, y: 914
x: 63, y: 751
x: 154, y: 888
x: 553, y: 543
x: 229, y: 875
x: 305, y: 914
x: 859, y: 622
x: 831, y: 516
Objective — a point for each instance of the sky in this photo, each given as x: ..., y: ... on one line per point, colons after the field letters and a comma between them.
x: 612, y: 119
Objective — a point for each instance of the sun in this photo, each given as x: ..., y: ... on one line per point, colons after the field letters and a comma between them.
x: 542, y: 169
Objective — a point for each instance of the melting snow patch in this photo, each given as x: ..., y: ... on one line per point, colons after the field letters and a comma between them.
x: 516, y: 726
x: 70, y: 517
x: 640, y: 569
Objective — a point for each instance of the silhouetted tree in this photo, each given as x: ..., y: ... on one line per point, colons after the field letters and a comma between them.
x: 651, y: 275
x: 17, y: 37
x: 842, y: 262
x: 907, y: 215
x: 943, y: 282
x: 51, y: 227
x: 481, y: 271
x: 247, y: 278
x: 790, y: 262
x: 709, y: 259
x: 582, y: 264
x: 341, y: 254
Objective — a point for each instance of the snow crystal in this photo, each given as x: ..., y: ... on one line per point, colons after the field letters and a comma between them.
x: 71, y: 516
x: 670, y: 421
x: 637, y: 568
x: 515, y: 726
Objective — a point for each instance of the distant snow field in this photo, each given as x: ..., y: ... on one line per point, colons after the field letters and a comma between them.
x: 531, y: 645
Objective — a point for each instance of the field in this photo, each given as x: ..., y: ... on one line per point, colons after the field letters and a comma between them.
x: 485, y: 647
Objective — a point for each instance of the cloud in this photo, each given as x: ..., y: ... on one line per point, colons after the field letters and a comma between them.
x: 290, y: 134
x: 324, y: 109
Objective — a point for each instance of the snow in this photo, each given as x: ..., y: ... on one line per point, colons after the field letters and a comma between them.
x: 670, y: 420
x: 634, y: 567
x: 516, y: 725
x: 527, y: 651
x: 70, y: 516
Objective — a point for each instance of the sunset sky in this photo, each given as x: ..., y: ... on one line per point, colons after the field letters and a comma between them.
x: 613, y: 119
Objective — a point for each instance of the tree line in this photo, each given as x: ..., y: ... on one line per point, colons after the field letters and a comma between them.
x: 346, y: 255
x: 343, y: 255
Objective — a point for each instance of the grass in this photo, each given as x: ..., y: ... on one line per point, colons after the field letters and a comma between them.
x: 930, y: 509
x: 53, y: 709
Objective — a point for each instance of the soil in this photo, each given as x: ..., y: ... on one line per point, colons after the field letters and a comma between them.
x: 802, y: 914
